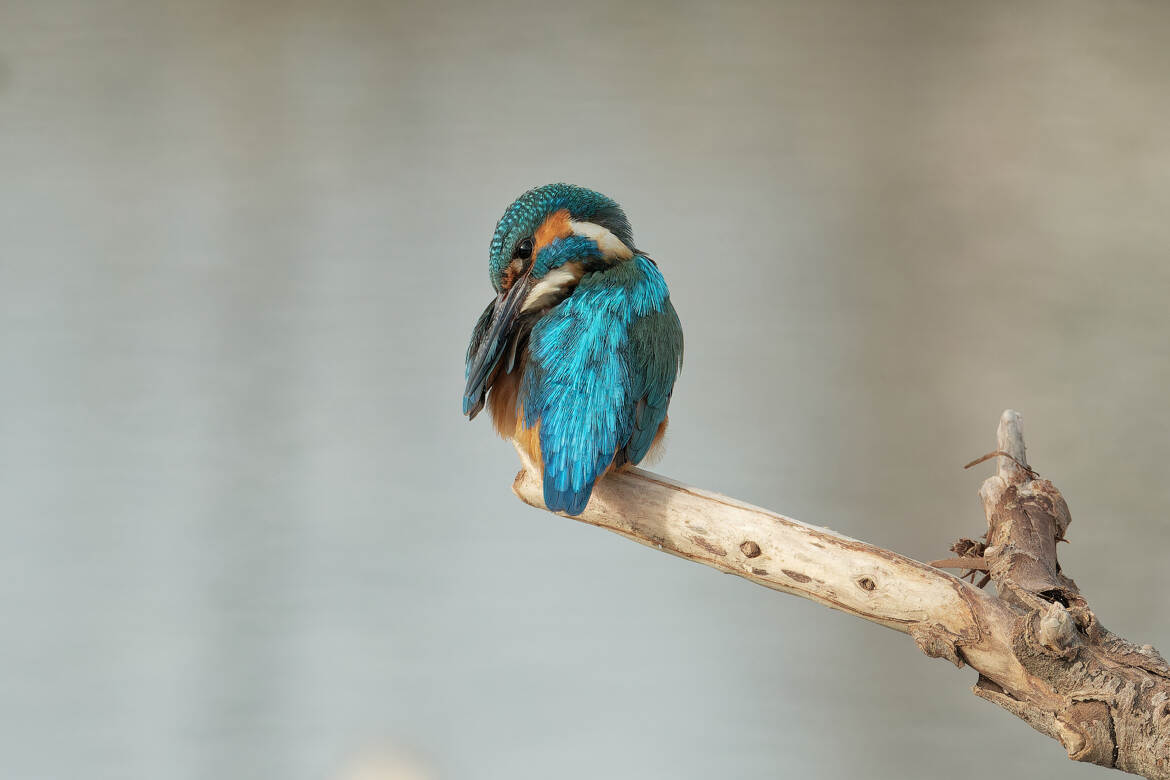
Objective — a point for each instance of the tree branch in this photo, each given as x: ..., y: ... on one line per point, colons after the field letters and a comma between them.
x: 1040, y: 651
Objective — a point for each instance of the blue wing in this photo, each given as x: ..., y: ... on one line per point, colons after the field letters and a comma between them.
x: 653, y: 355
x: 473, y: 403
x: 601, y: 368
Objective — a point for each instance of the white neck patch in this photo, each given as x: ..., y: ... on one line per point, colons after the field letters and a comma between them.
x: 553, y: 286
x: 610, y: 245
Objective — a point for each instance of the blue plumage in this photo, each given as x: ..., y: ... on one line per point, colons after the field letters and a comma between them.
x: 556, y: 254
x: 599, y: 342
x: 592, y: 360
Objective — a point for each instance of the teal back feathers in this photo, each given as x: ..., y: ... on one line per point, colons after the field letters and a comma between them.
x: 601, y: 371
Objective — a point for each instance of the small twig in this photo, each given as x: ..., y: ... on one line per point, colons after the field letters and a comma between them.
x: 971, y: 564
x: 984, y: 458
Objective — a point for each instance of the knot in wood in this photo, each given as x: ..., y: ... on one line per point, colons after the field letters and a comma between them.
x: 1057, y: 630
x: 936, y: 642
x: 1087, y: 732
x: 866, y: 583
x: 750, y: 549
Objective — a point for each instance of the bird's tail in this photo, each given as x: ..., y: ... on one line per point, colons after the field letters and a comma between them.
x: 569, y: 501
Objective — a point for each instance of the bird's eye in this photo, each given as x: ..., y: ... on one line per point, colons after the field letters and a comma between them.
x: 524, y: 249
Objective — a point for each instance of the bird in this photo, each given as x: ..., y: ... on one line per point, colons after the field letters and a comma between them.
x: 576, y: 356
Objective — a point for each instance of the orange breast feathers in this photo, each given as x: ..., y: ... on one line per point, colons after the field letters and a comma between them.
x: 508, y: 418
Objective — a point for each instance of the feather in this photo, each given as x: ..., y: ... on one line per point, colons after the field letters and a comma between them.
x: 473, y: 402
x: 654, y: 352
x: 519, y: 342
x: 601, y: 368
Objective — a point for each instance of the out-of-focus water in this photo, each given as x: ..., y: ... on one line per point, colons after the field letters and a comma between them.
x: 247, y: 533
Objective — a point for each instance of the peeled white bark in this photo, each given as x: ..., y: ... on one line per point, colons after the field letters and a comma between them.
x: 1040, y: 652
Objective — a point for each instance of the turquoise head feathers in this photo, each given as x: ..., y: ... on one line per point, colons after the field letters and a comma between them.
x: 528, y: 212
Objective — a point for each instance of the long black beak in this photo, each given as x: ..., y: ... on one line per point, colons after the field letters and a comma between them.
x: 491, y: 346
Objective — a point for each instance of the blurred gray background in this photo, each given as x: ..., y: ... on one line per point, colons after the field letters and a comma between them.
x: 247, y: 533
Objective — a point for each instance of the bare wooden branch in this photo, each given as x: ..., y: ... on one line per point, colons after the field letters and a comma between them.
x: 1039, y: 650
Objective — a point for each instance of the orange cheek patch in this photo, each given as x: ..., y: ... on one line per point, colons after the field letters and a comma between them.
x: 556, y: 225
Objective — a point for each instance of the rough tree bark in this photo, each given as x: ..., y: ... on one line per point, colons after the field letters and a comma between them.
x: 1040, y: 651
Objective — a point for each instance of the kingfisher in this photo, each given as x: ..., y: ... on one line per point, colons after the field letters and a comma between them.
x: 577, y: 354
